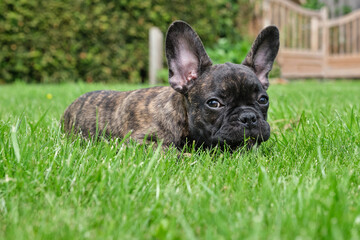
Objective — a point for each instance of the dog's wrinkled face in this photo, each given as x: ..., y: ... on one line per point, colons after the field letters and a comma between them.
x: 226, y: 103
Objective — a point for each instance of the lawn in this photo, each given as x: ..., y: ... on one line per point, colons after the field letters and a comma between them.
x: 304, y: 183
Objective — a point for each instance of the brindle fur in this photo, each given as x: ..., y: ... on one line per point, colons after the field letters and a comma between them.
x: 180, y: 113
x: 147, y: 113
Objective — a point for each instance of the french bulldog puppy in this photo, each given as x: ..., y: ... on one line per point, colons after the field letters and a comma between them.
x: 206, y: 104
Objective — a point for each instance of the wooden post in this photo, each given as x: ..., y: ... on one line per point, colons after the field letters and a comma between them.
x: 283, y: 27
x: 300, y: 32
x: 354, y: 37
x: 335, y: 39
x: 155, y: 53
x: 314, y: 34
x: 348, y: 38
x: 266, y: 13
x: 325, y: 40
x: 295, y: 30
x: 357, y: 39
x: 289, y: 34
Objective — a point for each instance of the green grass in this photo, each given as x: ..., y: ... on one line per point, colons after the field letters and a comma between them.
x: 304, y: 183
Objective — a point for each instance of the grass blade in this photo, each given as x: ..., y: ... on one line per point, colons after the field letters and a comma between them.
x: 15, y: 144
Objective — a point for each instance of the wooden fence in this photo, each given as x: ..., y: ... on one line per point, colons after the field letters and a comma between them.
x: 313, y: 45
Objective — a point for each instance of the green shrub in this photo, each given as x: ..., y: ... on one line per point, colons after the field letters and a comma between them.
x: 98, y: 40
x: 313, y: 4
x: 225, y: 51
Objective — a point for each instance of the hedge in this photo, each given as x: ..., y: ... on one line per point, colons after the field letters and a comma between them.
x: 55, y: 41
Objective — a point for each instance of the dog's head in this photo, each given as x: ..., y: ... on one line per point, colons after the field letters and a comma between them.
x: 227, y: 103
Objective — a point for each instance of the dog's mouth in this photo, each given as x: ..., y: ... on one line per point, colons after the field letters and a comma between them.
x: 247, y: 138
x: 251, y: 142
x: 231, y: 134
x: 248, y: 143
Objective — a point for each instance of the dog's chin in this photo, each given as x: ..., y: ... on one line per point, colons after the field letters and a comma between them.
x: 237, y: 142
x: 237, y: 137
x: 243, y: 144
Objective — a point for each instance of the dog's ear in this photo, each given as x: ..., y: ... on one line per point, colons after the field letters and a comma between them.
x: 186, y: 56
x: 263, y: 53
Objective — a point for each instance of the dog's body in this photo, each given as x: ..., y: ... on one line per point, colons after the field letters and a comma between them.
x: 208, y: 104
x: 148, y: 112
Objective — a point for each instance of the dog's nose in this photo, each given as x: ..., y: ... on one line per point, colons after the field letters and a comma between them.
x: 248, y: 119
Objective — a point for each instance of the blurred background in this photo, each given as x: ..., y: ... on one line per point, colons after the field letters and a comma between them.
x: 52, y: 41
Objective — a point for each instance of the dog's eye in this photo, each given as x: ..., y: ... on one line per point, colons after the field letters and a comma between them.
x: 213, y: 103
x: 263, y: 100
